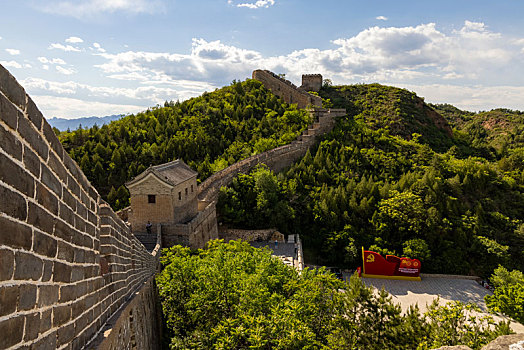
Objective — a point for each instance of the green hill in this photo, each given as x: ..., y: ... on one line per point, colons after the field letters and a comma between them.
x: 374, y: 182
x: 209, y: 132
x: 396, y: 175
x: 399, y: 111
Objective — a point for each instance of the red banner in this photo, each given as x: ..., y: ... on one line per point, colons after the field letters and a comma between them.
x: 375, y: 264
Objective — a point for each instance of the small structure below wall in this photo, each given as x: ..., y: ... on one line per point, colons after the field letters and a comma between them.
x: 289, y: 251
x: 163, y: 193
x: 165, y: 197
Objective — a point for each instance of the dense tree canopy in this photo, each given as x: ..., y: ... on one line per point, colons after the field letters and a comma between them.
x: 233, y: 296
x: 208, y: 132
x: 365, y: 186
x: 509, y: 293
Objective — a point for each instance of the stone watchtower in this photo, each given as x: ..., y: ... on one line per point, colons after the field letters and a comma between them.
x: 311, y: 82
x: 165, y: 193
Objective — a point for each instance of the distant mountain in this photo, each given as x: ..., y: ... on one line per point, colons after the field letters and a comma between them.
x: 63, y: 124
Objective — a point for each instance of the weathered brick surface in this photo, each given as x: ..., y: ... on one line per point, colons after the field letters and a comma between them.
x: 27, y: 300
x: 7, y: 264
x: 8, y: 299
x: 11, y: 331
x: 52, y: 292
x: 27, y: 266
x: 13, y: 204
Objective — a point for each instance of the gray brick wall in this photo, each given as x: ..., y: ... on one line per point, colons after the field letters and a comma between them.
x: 67, y: 262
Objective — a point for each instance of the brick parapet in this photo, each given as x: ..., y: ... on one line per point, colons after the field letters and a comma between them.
x: 67, y: 262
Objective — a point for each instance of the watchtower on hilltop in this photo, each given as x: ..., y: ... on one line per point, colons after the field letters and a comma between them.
x: 311, y: 82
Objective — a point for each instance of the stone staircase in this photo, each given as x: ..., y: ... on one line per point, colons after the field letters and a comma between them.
x: 148, y: 240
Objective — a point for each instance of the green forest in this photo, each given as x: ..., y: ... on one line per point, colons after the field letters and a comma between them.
x: 395, y: 175
x: 233, y: 296
x: 209, y: 133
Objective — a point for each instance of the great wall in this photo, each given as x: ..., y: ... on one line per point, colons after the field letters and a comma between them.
x: 72, y: 274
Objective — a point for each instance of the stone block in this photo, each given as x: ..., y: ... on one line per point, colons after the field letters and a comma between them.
x: 61, y: 272
x: 14, y: 234
x: 65, y: 251
x: 46, y: 343
x: 7, y: 264
x: 46, y: 320
x: 31, y: 162
x: 80, y: 224
x: 48, y: 271
x: 11, y: 330
x: 69, y: 199
x: 10, y: 144
x: 15, y: 176
x: 27, y: 267
x: 8, y: 112
x: 80, y: 340
x: 73, y: 186
x: 33, y: 113
x: 46, y: 198
x: 39, y: 218
x: 52, y: 139
x: 8, y: 299
x: 12, y: 203
x: 44, y: 244
x: 32, y: 326
x: 56, y: 164
x: 67, y: 214
x: 27, y: 299
x: 61, y: 315
x: 63, y: 231
x: 51, y: 181
x: 77, y: 308
x: 77, y: 274
x: 65, y: 334
x: 47, y: 295
x: 79, y: 255
x: 11, y: 89
x: 28, y: 132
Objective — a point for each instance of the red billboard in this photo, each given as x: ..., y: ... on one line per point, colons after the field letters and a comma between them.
x: 393, y: 267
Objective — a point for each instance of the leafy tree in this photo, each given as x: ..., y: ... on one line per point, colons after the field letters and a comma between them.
x: 508, y: 297
x: 233, y: 296
x: 416, y: 249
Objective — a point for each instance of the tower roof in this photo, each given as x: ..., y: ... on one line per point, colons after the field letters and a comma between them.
x: 171, y: 173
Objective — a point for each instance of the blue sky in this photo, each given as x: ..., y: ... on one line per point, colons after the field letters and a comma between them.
x: 101, y: 57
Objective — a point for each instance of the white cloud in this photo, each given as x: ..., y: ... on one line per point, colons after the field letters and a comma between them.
x: 74, y: 40
x: 90, y: 8
x: 97, y: 47
x: 66, y: 48
x: 256, y: 5
x: 45, y: 67
x: 13, y: 52
x: 417, y: 55
x: 149, y: 94
x: 472, y: 98
x: 51, y: 60
x: 66, y: 107
x: 11, y: 64
x: 381, y: 18
x: 65, y: 71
